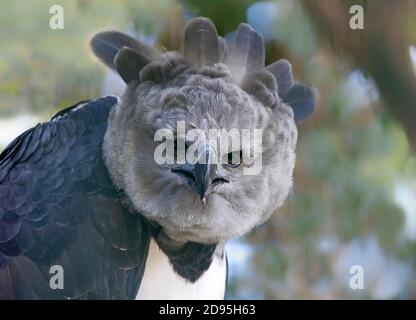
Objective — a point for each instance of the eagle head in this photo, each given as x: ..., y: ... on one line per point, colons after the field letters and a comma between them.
x: 203, y: 140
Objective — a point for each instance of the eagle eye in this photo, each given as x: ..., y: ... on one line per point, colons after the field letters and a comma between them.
x: 234, y: 159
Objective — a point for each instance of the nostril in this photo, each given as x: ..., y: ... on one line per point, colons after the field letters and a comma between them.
x: 185, y: 173
x: 219, y: 181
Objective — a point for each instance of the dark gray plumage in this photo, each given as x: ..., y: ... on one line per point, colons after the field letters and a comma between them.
x: 107, y: 44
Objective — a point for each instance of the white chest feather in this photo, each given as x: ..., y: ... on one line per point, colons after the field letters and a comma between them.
x: 160, y: 281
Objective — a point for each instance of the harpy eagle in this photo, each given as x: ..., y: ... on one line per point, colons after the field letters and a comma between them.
x: 84, y: 193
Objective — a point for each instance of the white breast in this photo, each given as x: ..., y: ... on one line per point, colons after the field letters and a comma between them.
x: 160, y: 281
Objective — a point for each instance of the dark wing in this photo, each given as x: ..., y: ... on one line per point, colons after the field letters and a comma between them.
x: 58, y: 206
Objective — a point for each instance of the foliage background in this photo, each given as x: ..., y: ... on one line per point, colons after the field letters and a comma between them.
x: 353, y: 200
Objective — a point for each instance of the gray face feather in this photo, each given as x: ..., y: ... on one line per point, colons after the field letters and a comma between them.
x: 203, y: 88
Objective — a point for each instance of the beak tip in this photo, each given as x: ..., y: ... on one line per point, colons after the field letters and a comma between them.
x: 204, y: 200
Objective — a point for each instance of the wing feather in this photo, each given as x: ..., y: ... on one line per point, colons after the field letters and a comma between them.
x: 58, y: 206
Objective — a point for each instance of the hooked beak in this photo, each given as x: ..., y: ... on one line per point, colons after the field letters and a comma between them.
x: 203, y: 175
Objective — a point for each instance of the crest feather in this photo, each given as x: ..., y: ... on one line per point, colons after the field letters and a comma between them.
x: 200, y: 44
x: 282, y: 71
x: 246, y: 52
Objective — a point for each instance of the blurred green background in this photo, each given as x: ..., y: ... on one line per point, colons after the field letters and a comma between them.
x: 353, y: 200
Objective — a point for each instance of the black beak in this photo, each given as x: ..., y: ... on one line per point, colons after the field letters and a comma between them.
x: 202, y: 175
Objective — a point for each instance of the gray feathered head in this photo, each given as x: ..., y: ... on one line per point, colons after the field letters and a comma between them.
x: 209, y: 84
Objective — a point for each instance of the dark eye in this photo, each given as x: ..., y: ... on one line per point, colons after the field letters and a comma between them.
x: 234, y: 159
